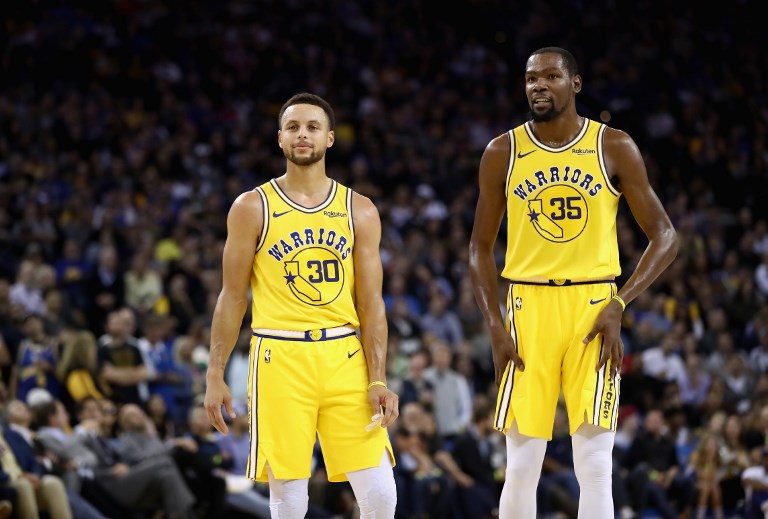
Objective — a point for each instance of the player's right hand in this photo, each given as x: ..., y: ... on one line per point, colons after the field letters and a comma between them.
x: 504, y: 351
x: 217, y: 394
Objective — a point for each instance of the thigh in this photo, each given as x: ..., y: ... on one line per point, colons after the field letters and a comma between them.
x: 590, y: 395
x: 345, y: 411
x: 283, y: 396
x: 530, y: 396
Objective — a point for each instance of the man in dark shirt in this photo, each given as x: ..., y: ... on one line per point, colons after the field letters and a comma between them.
x: 121, y: 363
x: 655, y: 477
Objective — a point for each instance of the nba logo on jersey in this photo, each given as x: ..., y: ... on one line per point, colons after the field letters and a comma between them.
x: 267, y: 356
x: 518, y: 303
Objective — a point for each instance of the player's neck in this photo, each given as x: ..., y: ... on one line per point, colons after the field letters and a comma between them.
x: 305, y: 181
x: 558, y: 131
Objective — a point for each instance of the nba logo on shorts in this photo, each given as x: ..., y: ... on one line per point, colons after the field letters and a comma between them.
x: 518, y: 303
x: 267, y: 356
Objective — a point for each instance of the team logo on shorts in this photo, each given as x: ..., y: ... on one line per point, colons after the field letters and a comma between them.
x: 315, y: 275
x: 267, y: 356
x: 518, y: 303
x: 559, y: 213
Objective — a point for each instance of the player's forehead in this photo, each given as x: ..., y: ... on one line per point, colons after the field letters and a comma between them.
x: 545, y: 62
x: 303, y: 113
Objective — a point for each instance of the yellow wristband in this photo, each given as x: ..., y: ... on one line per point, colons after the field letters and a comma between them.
x: 621, y: 302
x: 377, y: 383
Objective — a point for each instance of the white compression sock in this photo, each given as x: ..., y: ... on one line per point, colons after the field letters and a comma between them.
x: 288, y: 498
x: 374, y: 490
x: 524, y: 458
x: 593, y: 463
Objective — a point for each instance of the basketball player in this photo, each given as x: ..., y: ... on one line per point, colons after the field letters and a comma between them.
x: 559, y: 178
x: 309, y: 248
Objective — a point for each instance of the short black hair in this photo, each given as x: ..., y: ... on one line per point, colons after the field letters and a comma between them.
x: 568, y: 60
x: 305, y: 98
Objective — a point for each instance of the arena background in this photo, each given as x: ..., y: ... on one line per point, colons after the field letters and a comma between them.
x: 128, y: 127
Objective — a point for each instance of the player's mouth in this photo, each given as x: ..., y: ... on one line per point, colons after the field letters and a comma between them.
x: 540, y: 101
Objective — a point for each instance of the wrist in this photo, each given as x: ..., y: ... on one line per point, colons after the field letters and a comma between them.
x: 619, y: 300
x: 375, y: 383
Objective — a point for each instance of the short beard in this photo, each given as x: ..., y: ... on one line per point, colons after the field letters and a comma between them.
x: 303, y: 161
x: 544, y: 117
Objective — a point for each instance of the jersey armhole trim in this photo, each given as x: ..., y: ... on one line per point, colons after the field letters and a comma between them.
x: 510, y: 162
x: 350, y: 218
x: 265, y: 214
x: 601, y: 160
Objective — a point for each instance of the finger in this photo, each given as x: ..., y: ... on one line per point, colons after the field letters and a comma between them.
x: 518, y: 362
x: 621, y: 357
x: 228, y: 407
x: 591, y: 335
x: 217, y: 420
x: 605, y: 354
x: 392, y: 410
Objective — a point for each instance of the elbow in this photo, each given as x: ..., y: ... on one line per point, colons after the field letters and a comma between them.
x: 673, y: 244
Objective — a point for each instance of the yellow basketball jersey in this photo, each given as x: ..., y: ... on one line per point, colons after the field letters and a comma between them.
x: 303, y: 272
x: 561, y: 208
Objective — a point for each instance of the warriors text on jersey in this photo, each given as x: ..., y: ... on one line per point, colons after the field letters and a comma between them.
x: 303, y: 271
x: 561, y: 208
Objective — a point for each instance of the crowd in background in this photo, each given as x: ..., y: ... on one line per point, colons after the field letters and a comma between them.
x: 127, y: 128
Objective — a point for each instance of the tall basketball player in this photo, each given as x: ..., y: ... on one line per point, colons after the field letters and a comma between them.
x: 308, y: 247
x: 559, y: 178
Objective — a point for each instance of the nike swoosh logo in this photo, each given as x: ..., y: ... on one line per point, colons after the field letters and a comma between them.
x: 350, y: 355
x: 593, y: 302
x: 275, y: 214
x: 521, y: 155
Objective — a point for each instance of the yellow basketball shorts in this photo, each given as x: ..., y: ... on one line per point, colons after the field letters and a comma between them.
x: 548, y: 324
x: 303, y: 389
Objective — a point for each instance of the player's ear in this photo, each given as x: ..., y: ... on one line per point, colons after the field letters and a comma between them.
x: 331, y: 138
x: 576, y: 83
x: 280, y: 138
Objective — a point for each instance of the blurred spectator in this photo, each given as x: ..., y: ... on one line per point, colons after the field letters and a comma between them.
x: 35, y: 360
x: 204, y: 465
x: 76, y: 370
x: 478, y: 492
x: 452, y: 398
x: 143, y: 284
x: 157, y: 348
x: 26, y: 291
x: 755, y: 481
x: 415, y: 386
x: 147, y: 459
x: 655, y: 478
x: 105, y: 289
x: 441, y: 321
x: 20, y: 438
x: 121, y: 364
x: 734, y: 459
x: 34, y: 492
x: 706, y: 465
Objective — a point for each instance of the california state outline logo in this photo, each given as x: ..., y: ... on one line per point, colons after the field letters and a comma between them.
x: 558, y: 213
x: 315, y: 275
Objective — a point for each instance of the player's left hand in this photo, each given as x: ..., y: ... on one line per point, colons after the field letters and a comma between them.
x: 380, y: 398
x: 608, y: 323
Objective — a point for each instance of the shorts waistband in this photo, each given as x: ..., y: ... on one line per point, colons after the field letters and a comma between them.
x: 320, y: 334
x: 560, y: 282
